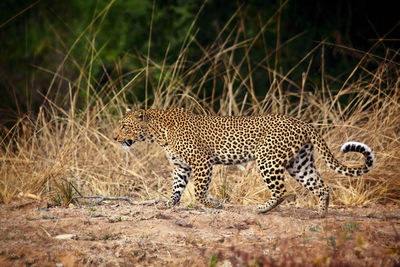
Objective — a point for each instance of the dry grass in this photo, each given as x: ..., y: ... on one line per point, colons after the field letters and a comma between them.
x: 63, y: 140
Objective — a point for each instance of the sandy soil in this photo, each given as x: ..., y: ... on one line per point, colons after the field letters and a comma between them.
x: 118, y: 233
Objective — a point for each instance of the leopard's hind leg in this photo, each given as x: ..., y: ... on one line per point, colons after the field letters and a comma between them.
x: 272, y: 170
x: 302, y: 168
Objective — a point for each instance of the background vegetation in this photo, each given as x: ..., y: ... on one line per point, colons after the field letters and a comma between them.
x: 70, y: 68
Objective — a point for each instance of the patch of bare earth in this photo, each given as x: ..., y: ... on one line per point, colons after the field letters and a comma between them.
x: 122, y: 234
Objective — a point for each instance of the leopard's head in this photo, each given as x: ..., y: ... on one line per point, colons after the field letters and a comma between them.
x: 131, y: 128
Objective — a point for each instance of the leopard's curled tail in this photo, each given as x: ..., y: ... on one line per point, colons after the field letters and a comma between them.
x: 337, y: 166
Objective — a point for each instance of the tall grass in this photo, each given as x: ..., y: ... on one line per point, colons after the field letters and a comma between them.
x: 64, y: 140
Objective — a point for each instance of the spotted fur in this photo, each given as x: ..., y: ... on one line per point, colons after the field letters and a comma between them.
x: 194, y: 143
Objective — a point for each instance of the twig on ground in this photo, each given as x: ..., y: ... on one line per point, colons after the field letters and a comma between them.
x: 102, y: 198
x: 65, y: 180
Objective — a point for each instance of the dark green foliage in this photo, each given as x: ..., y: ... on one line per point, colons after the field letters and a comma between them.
x: 109, y: 40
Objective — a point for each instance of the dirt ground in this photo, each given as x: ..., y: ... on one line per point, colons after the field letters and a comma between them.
x: 120, y: 234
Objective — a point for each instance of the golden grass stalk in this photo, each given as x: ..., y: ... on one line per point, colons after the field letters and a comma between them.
x: 65, y: 141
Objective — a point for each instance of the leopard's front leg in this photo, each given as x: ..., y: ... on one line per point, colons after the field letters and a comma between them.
x: 202, y: 174
x: 181, y: 177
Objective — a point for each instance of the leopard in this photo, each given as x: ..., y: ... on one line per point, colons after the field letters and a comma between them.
x: 194, y: 143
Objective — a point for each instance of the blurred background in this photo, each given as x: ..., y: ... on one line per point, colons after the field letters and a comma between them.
x: 46, y: 45
x: 69, y: 69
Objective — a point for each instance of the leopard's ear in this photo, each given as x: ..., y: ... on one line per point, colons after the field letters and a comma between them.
x: 141, y: 115
x: 128, y: 109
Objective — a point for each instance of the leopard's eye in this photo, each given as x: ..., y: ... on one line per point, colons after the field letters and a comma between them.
x: 123, y: 126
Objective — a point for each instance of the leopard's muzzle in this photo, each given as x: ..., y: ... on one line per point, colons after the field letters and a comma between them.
x: 127, y: 143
